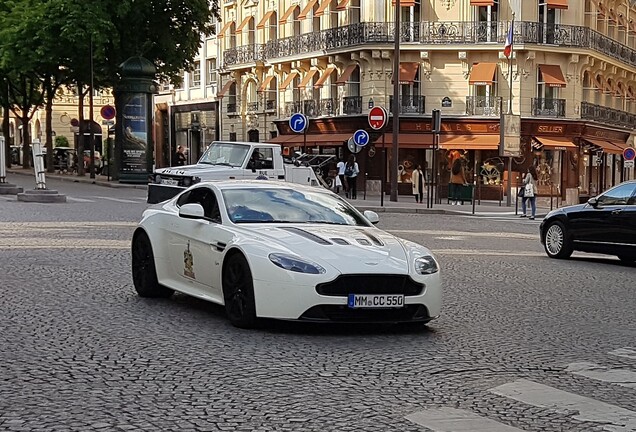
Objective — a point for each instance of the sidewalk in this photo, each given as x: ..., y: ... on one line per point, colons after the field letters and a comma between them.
x: 405, y: 203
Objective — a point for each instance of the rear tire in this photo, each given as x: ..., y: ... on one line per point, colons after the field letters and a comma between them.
x: 238, y: 292
x: 144, y: 272
x: 557, y: 242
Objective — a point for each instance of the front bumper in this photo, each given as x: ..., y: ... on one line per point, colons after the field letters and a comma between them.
x: 302, y: 302
x: 159, y: 192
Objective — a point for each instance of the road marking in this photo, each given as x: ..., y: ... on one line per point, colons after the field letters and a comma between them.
x: 621, y: 377
x: 79, y: 200
x: 627, y: 352
x: 456, y: 420
x: 126, y: 201
x: 609, y: 417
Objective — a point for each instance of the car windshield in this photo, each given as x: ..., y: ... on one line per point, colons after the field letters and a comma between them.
x: 276, y: 205
x: 225, y: 153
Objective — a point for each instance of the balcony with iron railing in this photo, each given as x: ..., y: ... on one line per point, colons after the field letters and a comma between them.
x: 487, y: 106
x: 231, y: 108
x: 433, y: 33
x: 253, y: 106
x: 313, y: 108
x: 410, y: 104
x: 548, y: 107
x: 607, y: 115
x: 352, y: 105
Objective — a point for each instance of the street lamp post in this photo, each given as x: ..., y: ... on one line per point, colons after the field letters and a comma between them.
x: 395, y: 109
x: 91, y: 131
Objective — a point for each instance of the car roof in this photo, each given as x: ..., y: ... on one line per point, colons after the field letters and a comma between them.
x: 260, y: 184
x: 255, y: 144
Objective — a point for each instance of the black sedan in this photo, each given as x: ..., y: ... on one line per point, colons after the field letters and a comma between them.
x: 606, y: 225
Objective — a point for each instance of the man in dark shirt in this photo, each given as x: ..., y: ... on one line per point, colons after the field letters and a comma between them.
x: 180, y: 156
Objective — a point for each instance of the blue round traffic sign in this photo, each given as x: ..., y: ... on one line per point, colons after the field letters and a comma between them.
x: 108, y: 112
x: 298, y: 122
x: 361, y: 137
x: 629, y: 153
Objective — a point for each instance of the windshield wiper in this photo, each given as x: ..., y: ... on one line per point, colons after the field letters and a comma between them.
x: 223, y: 163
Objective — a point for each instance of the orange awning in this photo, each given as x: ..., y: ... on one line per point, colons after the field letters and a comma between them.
x: 224, y: 29
x: 557, y: 4
x: 287, y: 14
x: 408, y: 71
x: 556, y: 143
x: 469, y: 142
x: 482, y: 74
x: 288, y: 80
x: 551, y: 75
x: 407, y: 140
x: 342, y: 5
x: 482, y: 2
x: 243, y: 24
x: 308, y: 7
x: 323, y: 7
x: 606, y: 146
x: 346, y: 74
x: 405, y: 3
x: 265, y: 84
x: 308, y: 76
x: 263, y: 22
x: 325, y: 76
x: 225, y: 88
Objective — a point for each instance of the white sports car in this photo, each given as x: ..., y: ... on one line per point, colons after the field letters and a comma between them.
x: 275, y: 250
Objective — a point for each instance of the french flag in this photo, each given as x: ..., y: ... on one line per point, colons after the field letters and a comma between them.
x: 509, y: 39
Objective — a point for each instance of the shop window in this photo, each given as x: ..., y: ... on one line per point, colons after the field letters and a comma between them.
x: 487, y: 19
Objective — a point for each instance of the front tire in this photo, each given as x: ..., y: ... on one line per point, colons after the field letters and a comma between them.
x: 238, y: 292
x: 144, y: 272
x: 557, y: 242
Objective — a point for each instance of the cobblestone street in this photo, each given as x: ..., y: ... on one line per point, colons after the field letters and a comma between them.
x: 524, y: 343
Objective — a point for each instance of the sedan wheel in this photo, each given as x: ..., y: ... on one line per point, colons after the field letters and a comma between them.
x: 557, y: 241
x: 238, y: 292
x: 144, y: 272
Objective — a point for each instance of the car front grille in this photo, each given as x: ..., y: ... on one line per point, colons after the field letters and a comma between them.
x: 342, y: 313
x: 344, y: 285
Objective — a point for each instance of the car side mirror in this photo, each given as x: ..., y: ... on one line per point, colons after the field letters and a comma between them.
x: 191, y: 211
x: 371, y: 216
x: 593, y: 202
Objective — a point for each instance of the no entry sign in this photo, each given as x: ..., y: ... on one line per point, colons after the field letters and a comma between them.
x: 378, y: 117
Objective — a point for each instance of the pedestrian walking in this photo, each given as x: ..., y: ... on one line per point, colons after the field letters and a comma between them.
x: 341, y: 176
x: 458, y: 179
x: 180, y: 157
x: 530, y: 192
x: 351, y: 175
x: 417, y: 180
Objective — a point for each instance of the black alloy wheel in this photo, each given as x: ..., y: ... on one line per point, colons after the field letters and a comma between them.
x: 557, y: 242
x: 238, y: 292
x: 144, y: 273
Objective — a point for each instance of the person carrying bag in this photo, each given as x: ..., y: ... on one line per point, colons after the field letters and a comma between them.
x: 529, y: 192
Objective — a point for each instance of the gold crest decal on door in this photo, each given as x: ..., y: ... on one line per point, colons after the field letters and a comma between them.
x: 188, y: 263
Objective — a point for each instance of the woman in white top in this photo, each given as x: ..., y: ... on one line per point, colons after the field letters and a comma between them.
x: 341, y: 171
x: 530, y: 191
x: 351, y: 174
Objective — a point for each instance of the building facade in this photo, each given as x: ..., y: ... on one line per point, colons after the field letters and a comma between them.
x: 573, y: 75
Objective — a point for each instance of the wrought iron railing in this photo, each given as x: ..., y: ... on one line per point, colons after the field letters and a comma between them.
x: 327, y: 107
x: 489, y: 106
x: 433, y: 33
x: 231, y: 107
x: 292, y: 108
x: 352, y: 105
x: 253, y: 106
x: 410, y: 104
x: 607, y: 115
x: 548, y: 107
x: 270, y: 105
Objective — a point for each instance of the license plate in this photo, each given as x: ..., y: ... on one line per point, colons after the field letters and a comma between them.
x: 375, y: 301
x: 169, y: 182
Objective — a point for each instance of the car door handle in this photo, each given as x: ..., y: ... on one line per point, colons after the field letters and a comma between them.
x: 617, y: 211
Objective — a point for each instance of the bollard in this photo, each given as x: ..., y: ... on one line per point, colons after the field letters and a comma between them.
x: 3, y: 165
x: 38, y: 165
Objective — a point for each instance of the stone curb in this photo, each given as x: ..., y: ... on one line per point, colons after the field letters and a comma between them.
x: 76, y: 179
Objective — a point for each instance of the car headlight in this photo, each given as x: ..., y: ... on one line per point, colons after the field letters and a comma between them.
x: 426, y: 265
x: 295, y: 264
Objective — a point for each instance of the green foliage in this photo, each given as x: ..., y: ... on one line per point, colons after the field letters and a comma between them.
x: 61, y: 141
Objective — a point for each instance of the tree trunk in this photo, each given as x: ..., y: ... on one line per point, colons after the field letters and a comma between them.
x: 82, y: 129
x: 49, y: 134
x: 5, y: 132
x: 26, y: 139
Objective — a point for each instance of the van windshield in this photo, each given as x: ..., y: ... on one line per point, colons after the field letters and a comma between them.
x: 225, y: 153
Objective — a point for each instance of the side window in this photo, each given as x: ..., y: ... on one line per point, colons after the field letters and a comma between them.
x: 184, y: 198
x: 262, y: 158
x: 207, y: 199
x: 632, y: 200
x: 617, y: 196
